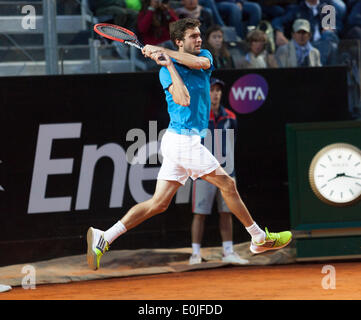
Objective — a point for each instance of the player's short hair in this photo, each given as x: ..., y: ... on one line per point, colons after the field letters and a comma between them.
x: 177, y: 29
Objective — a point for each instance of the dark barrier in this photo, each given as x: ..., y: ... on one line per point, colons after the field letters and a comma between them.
x: 65, y: 142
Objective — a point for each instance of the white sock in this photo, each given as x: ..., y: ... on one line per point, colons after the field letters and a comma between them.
x: 227, y: 247
x: 196, y: 247
x: 114, y: 232
x: 258, y: 235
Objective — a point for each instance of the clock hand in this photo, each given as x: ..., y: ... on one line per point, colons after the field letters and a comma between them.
x: 347, y: 176
x: 332, y: 178
x: 337, y: 176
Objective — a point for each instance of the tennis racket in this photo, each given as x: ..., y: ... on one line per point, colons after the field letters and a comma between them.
x: 117, y: 33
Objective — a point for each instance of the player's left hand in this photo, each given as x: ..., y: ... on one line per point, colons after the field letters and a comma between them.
x: 161, y: 59
x: 148, y: 50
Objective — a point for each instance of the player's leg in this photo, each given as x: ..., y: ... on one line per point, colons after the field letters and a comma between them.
x: 261, y: 241
x: 204, y: 165
x: 99, y: 241
x: 225, y: 222
x: 230, y: 194
x: 164, y: 193
x: 226, y: 230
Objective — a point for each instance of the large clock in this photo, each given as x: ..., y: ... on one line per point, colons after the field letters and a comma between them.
x: 335, y: 174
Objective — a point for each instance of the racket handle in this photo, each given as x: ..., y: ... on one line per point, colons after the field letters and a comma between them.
x: 140, y: 47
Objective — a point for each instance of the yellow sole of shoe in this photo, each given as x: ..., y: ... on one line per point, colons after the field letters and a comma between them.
x: 271, y: 248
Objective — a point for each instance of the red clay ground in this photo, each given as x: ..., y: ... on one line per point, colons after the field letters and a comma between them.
x: 280, y: 282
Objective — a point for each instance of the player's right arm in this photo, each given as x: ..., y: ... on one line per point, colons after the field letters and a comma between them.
x: 177, y: 89
x: 190, y: 60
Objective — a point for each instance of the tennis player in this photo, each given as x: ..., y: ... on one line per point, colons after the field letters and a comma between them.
x: 185, y: 77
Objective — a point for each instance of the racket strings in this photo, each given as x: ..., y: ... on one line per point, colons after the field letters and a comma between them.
x: 116, y: 33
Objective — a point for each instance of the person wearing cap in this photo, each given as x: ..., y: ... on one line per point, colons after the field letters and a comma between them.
x: 324, y: 38
x: 299, y: 52
x: 219, y: 143
x: 310, y: 10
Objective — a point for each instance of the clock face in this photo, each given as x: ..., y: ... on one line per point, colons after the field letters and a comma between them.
x: 335, y: 174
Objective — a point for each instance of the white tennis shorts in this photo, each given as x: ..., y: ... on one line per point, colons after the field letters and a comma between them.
x: 184, y: 156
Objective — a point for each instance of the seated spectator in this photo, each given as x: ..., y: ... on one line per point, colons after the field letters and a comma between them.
x: 353, y: 23
x: 350, y: 4
x: 341, y: 11
x: 258, y: 56
x: 211, y: 5
x: 326, y: 41
x: 272, y: 9
x: 122, y: 16
x: 191, y: 9
x: 214, y: 43
x: 232, y: 12
x: 153, y: 22
x: 153, y: 27
x: 350, y: 58
x: 299, y: 52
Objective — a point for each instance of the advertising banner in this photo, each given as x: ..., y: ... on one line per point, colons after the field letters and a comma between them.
x: 79, y: 151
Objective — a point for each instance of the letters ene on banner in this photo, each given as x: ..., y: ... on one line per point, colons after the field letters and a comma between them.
x: 137, y: 155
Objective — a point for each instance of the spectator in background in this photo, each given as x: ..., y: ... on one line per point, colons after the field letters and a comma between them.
x: 191, y: 9
x: 211, y: 5
x: 350, y: 4
x: 353, y: 24
x: 272, y: 10
x: 326, y: 41
x: 153, y: 27
x: 258, y: 56
x: 350, y: 58
x: 341, y: 11
x: 153, y: 22
x: 215, y: 44
x: 299, y: 52
x: 232, y: 12
x: 122, y: 16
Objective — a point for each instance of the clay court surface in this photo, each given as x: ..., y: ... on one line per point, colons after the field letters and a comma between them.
x: 277, y: 282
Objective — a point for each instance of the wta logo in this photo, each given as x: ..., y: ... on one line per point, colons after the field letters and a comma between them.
x: 248, y: 93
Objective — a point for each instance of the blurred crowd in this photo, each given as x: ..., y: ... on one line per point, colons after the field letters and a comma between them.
x: 253, y: 34
x: 247, y: 34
